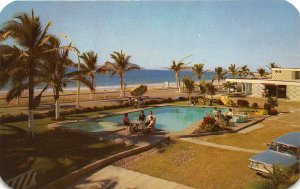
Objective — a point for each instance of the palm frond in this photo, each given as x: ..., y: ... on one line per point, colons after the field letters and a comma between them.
x: 37, y: 99
x: 84, y: 81
x: 15, y: 91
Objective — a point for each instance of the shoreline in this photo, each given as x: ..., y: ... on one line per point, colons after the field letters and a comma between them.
x: 111, y: 87
x: 115, y: 87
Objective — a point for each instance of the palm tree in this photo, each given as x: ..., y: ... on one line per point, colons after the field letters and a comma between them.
x: 202, y: 88
x: 57, y: 76
x: 233, y: 70
x: 272, y: 65
x: 211, y: 90
x: 177, y: 67
x: 219, y: 74
x: 262, y: 72
x: 198, y: 71
x: 22, y: 64
x: 244, y: 71
x: 90, y: 67
x: 188, y: 83
x: 120, y: 65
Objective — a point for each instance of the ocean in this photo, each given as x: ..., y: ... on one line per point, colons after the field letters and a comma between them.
x: 135, y: 77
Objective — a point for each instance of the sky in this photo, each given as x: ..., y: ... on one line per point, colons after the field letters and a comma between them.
x: 216, y: 33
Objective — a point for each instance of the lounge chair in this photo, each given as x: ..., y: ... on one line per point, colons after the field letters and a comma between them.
x: 238, y: 118
x: 261, y: 112
x: 227, y: 101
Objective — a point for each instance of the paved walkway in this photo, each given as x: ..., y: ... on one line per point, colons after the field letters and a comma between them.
x: 252, y: 128
x: 112, y: 177
x: 197, y: 141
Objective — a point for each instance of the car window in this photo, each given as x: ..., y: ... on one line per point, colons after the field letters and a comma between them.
x: 283, y: 149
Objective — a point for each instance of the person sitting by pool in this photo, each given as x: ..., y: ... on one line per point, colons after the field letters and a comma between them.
x: 142, y: 117
x: 151, y: 126
x: 149, y: 118
x: 126, y: 120
x: 229, y: 114
x: 220, y: 114
x: 215, y: 112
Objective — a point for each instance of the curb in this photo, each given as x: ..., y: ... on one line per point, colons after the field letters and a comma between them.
x: 216, y: 133
x: 69, y: 179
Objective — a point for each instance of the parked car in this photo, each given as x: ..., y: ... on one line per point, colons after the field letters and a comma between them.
x: 283, y: 151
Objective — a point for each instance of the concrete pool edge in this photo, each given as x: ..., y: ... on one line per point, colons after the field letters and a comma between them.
x: 59, y: 124
x: 234, y: 129
x: 186, y: 132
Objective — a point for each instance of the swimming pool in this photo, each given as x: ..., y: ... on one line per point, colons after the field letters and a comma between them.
x: 91, y: 126
x: 168, y: 118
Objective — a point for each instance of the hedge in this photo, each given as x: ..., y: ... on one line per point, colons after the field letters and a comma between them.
x: 242, y: 103
x: 51, y: 113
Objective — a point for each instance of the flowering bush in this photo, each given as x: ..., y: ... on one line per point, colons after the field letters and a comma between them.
x: 273, y: 112
x: 209, y: 124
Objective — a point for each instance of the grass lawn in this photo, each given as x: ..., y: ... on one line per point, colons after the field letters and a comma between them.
x: 40, y: 125
x: 52, y: 153
x: 198, y: 166
x: 257, y: 139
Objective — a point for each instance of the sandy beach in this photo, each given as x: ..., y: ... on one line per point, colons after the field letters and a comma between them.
x: 103, y: 96
x: 106, y: 97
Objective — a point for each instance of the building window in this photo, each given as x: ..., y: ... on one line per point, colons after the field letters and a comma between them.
x: 297, y: 75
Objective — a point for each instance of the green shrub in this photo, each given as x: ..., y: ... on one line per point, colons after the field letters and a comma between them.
x: 51, y: 113
x: 273, y: 101
x: 139, y: 91
x: 279, y: 178
x: 254, y: 105
x: 267, y: 106
x: 242, y: 103
x: 218, y: 101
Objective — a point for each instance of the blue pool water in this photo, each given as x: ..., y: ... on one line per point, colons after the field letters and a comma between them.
x: 169, y: 118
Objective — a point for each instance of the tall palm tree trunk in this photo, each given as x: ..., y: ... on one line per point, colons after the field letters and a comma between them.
x: 57, y: 106
x: 57, y: 109
x: 18, y: 100
x: 30, y: 105
x: 92, y: 92
x: 178, y: 82
x: 121, y: 83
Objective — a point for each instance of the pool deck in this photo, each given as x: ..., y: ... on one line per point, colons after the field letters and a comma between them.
x: 89, y: 176
x: 116, y: 177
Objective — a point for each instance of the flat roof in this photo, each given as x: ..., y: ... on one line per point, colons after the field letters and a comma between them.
x: 290, y: 69
x: 265, y: 81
